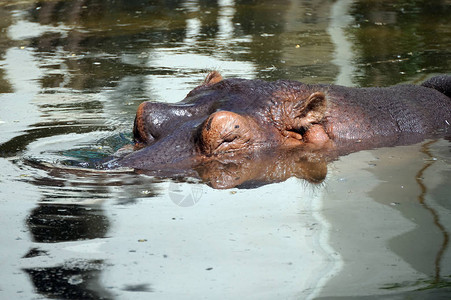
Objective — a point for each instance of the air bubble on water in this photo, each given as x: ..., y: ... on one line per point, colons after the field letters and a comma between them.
x: 75, y: 279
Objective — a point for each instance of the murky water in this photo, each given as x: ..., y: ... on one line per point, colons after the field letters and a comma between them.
x: 72, y: 74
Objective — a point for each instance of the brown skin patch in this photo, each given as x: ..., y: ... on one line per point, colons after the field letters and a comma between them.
x: 291, y: 138
x: 316, y: 135
x: 139, y: 130
x: 226, y: 131
x: 208, y: 124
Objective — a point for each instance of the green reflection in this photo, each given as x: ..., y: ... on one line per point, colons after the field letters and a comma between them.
x: 396, y: 41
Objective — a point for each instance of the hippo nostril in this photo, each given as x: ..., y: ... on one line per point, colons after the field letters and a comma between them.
x: 140, y: 137
x: 141, y: 134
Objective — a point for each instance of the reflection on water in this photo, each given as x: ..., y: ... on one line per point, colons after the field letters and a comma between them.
x: 387, y: 186
x: 72, y: 74
x: 70, y: 282
x: 423, y: 201
x: 57, y: 223
x: 431, y: 235
x: 393, y: 38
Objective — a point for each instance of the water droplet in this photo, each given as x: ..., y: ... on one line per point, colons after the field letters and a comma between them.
x: 75, y: 279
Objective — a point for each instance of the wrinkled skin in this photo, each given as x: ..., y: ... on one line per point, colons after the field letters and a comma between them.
x: 233, y: 131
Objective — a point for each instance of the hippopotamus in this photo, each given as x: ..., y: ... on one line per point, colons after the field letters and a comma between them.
x: 241, y: 120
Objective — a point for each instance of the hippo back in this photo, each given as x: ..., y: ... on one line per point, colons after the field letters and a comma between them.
x: 441, y: 83
x: 369, y: 113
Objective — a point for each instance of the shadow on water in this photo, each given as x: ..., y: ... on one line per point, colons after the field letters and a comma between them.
x: 422, y: 200
x: 432, y: 250
x: 70, y: 282
x: 425, y: 205
x: 51, y: 223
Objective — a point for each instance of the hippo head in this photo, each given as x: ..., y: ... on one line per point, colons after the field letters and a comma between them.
x: 234, y: 115
x: 225, y: 119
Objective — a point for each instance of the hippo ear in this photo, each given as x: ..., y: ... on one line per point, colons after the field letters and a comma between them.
x: 213, y: 77
x: 313, y: 109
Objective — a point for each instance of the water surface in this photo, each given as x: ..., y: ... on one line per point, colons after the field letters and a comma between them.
x: 72, y: 74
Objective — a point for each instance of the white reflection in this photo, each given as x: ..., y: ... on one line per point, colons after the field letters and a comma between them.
x: 23, y: 29
x: 191, y: 5
x: 343, y: 56
x: 192, y: 30
x: 23, y: 74
x: 17, y: 113
x: 190, y: 63
x: 173, y: 88
x: 245, y: 243
x: 226, y: 13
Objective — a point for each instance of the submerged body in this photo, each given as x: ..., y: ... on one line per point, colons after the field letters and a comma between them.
x: 226, y: 118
